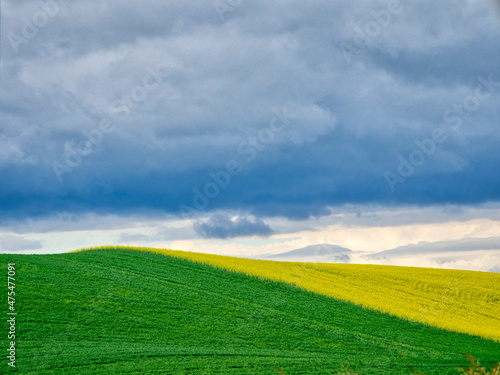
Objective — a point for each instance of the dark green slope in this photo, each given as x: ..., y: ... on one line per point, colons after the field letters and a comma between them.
x: 130, y: 312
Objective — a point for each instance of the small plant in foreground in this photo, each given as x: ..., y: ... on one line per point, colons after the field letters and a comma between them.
x: 476, y: 369
x: 346, y: 370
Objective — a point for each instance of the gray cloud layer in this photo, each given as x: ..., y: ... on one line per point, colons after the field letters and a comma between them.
x: 167, y: 92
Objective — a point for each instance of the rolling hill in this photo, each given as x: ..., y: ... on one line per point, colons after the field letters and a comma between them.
x: 461, y: 301
x: 122, y: 311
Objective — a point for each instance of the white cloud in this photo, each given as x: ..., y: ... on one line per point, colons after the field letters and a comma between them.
x: 361, y: 228
x: 15, y: 243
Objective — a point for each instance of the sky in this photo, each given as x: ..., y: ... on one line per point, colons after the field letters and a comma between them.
x: 253, y: 127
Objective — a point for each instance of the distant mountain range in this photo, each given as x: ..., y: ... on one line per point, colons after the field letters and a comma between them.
x: 321, y: 253
x: 444, y: 252
x: 441, y: 252
x: 466, y: 244
x: 495, y: 269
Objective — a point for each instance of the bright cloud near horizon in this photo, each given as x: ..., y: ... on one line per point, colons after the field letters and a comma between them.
x: 251, y: 128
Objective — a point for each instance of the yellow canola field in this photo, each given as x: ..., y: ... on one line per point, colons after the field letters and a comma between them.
x: 460, y: 301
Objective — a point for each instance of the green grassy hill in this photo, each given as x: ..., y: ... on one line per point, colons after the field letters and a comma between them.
x: 131, y: 312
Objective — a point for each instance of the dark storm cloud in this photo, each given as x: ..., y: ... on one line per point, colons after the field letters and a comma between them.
x: 119, y: 107
x: 222, y: 226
